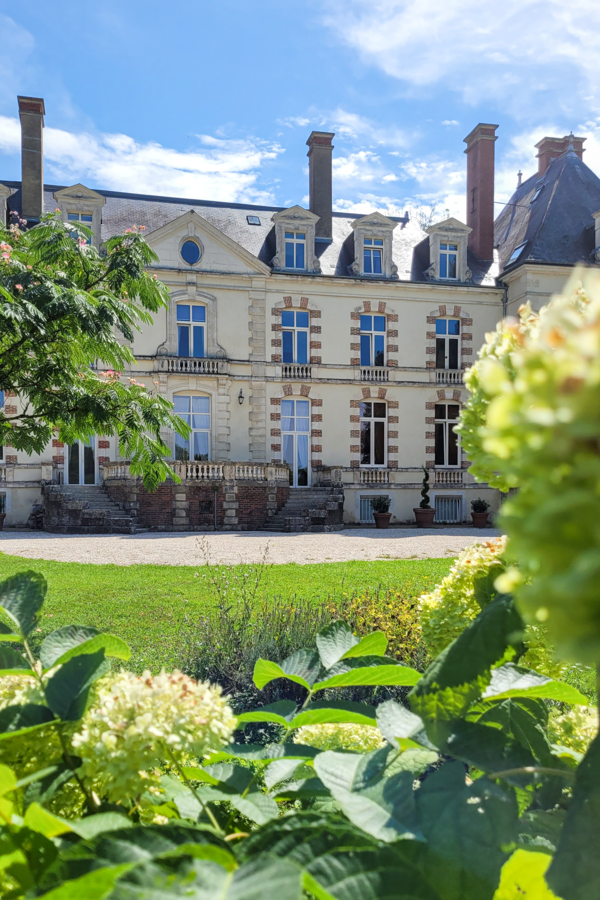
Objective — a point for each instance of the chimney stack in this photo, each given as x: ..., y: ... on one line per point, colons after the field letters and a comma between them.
x: 480, y: 189
x: 320, y: 183
x: 550, y: 148
x: 31, y: 113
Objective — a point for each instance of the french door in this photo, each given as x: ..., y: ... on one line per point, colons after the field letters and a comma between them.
x: 81, y: 467
x: 295, y: 435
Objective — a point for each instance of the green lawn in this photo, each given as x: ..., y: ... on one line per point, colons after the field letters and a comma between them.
x: 144, y: 604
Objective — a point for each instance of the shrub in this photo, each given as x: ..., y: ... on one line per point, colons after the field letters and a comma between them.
x: 381, y: 504
x: 479, y: 505
x: 424, y: 504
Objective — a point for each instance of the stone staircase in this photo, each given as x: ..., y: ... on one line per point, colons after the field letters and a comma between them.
x: 84, y: 509
x: 310, y: 509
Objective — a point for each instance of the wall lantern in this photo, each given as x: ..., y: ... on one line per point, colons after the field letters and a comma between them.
x: 240, y: 397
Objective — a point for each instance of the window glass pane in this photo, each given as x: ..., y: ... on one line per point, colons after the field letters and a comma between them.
x: 453, y: 353
x: 198, y: 314
x: 181, y: 448
x: 89, y: 464
x: 454, y: 247
x: 368, y: 241
x: 365, y: 443
x: 184, y: 340
x: 443, y: 265
x: 86, y: 218
x: 379, y: 410
x: 190, y: 252
x: 302, y: 346
x: 183, y: 312
x: 201, y: 404
x: 365, y: 410
x: 287, y: 354
x: 452, y: 447
x: 289, y: 256
x: 290, y: 235
x: 300, y: 237
x: 365, y: 323
x: 302, y: 450
x: 453, y: 411
x: 287, y: 407
x: 198, y: 340
x: 302, y: 407
x: 365, y: 350
x: 379, y: 323
x: 301, y: 424
x: 200, y: 445
x: 440, y: 411
x: 453, y: 326
x: 440, y: 353
x: 367, y: 263
x: 201, y: 422
x: 287, y: 318
x: 299, y: 256
x: 378, y: 242
x: 302, y: 319
x: 379, y: 444
x: 440, y: 326
x: 451, y: 265
x: 377, y: 262
x: 74, y: 463
x: 439, y: 444
x: 73, y: 217
x: 443, y: 246
x: 379, y: 340
x: 181, y: 404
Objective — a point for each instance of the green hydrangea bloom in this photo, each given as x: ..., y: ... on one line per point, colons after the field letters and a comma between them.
x: 575, y: 729
x: 347, y: 736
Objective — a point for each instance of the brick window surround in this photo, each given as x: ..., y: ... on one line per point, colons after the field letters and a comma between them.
x: 298, y: 391
x: 374, y: 393
x: 444, y: 395
x: 299, y: 303
x: 378, y: 309
x: 466, y: 337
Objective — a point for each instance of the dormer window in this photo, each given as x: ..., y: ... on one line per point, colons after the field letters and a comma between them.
x: 295, y: 250
x: 373, y: 258
x: 448, y: 258
x: 86, y: 218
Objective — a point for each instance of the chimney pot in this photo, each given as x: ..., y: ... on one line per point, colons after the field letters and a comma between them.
x: 320, y: 181
x: 31, y: 114
x: 550, y: 148
x: 480, y: 189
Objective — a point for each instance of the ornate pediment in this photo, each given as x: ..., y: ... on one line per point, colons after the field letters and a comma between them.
x: 77, y: 194
x: 449, y: 226
x: 374, y: 220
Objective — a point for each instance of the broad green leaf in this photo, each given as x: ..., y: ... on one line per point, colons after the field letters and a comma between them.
x: 368, y: 670
x: 26, y: 855
x: 374, y: 644
x: 100, y: 823
x: 12, y: 663
x: 488, y: 749
x: 483, y: 585
x: 8, y: 780
x: 231, y: 777
x: 522, y: 877
x: 575, y: 870
x: 22, y: 597
x: 95, y: 885
x: 255, y: 805
x: 67, y: 690
x: 280, y: 770
x: 281, y: 712
x: 138, y: 843
x: 467, y: 828
x: 325, y: 713
x: 396, y: 721
x: 334, y: 641
x: 7, y: 635
x: 75, y: 640
x: 16, y: 720
x: 380, y: 874
x: 39, y: 819
x: 524, y: 720
x: 302, y: 667
x: 540, y: 829
x: 264, y: 754
x: 414, y: 759
x: 42, y: 785
x: 304, y: 789
x: 303, y: 836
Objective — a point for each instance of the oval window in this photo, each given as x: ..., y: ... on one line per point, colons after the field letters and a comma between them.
x: 190, y: 252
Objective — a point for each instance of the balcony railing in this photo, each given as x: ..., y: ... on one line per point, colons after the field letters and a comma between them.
x: 195, y: 471
x: 296, y: 370
x: 449, y: 376
x: 448, y: 477
x: 374, y: 476
x: 188, y: 365
x: 375, y: 374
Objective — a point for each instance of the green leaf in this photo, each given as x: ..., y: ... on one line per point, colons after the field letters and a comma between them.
x: 302, y: 667
x: 12, y: 663
x: 514, y: 681
x: 368, y: 670
x: 258, y: 752
x: 374, y: 644
x: 523, y: 877
x: 525, y: 720
x: 325, y: 713
x: 488, y: 749
x: 232, y: 782
x: 380, y: 874
x: 95, y: 885
x: 467, y: 828
x: 483, y: 585
x: 280, y: 770
x: 7, y: 635
x: 74, y: 640
x: 281, y: 712
x: 396, y: 721
x: 137, y: 843
x: 575, y: 870
x: 98, y: 824
x: 17, y: 720
x: 334, y: 641
x: 41, y: 786
x: 67, y: 690
x: 383, y: 807
x: 22, y: 597
x: 39, y: 819
x: 8, y: 780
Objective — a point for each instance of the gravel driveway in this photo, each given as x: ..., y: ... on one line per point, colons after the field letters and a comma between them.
x: 177, y: 549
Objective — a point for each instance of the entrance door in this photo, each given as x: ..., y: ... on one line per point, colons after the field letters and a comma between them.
x: 81, y: 463
x: 295, y: 433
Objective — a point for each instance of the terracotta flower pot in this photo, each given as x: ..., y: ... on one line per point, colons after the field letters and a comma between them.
x: 2, y: 518
x: 382, y: 520
x: 424, y: 517
x: 480, y: 519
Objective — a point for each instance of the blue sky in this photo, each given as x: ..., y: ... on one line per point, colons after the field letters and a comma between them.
x: 216, y: 100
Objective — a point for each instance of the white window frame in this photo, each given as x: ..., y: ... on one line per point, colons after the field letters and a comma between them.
x: 446, y: 338
x: 295, y: 240
x: 295, y: 330
x: 192, y: 396
x: 295, y: 434
x: 372, y: 333
x: 373, y: 419
x: 369, y: 250
x: 449, y: 248
x: 446, y: 425
x: 191, y: 324
x: 89, y: 223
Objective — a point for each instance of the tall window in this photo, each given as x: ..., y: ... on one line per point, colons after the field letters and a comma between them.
x: 372, y: 340
x: 448, y: 255
x: 447, y: 341
x: 295, y: 250
x: 1, y: 445
x: 86, y: 218
x: 191, y: 321
x: 196, y: 412
x: 294, y: 342
x: 295, y: 425
x: 373, y: 256
x: 447, y: 451
x: 373, y: 419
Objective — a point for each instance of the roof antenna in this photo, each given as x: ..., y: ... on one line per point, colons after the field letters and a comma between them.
x: 519, y: 178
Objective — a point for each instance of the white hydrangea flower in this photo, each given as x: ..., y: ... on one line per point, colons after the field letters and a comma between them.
x: 575, y: 729
x: 137, y: 722
x: 342, y: 736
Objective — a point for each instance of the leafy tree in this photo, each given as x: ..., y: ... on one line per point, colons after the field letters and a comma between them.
x: 67, y: 313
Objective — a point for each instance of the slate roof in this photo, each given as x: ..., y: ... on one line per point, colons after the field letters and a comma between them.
x: 557, y: 227
x: 410, y: 248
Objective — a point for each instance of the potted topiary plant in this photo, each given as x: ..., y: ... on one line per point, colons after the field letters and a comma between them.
x: 479, y: 512
x: 2, y: 510
x: 381, y: 511
x: 424, y: 512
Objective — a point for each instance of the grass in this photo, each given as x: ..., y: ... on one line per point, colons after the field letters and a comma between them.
x: 144, y: 605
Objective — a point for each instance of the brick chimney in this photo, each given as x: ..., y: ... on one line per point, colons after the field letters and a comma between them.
x: 320, y: 184
x: 550, y: 148
x: 480, y: 189
x: 31, y: 113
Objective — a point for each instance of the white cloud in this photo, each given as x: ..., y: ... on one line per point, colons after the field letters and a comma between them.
x: 519, y: 51
x: 450, y: 122
x: 353, y: 126
x: 294, y: 121
x: 389, y: 177
x: 225, y: 170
